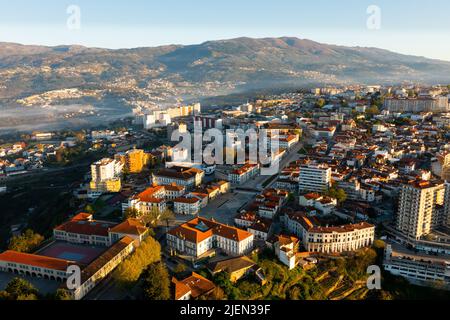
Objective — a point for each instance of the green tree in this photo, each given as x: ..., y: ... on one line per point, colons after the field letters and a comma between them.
x: 129, y: 271
x: 373, y: 110
x: 26, y: 242
x: 338, y: 194
x: 131, y: 213
x: 62, y: 294
x: 20, y: 289
x: 320, y: 103
x: 180, y: 268
x: 156, y: 285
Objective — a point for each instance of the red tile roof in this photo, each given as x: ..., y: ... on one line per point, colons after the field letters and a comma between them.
x: 35, y: 260
x: 192, y: 231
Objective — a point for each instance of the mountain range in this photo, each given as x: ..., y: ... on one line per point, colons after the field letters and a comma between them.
x: 213, y: 67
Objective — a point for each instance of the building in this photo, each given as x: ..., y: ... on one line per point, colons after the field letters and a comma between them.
x: 417, y: 268
x: 101, y: 267
x: 286, y: 248
x: 150, y: 200
x: 441, y: 167
x: 181, y: 176
x: 35, y: 266
x: 187, y: 205
x: 237, y: 268
x: 417, y: 105
x: 209, y: 122
x: 192, y: 287
x: 324, y: 204
x: 199, y: 236
x: 106, y: 176
x: 314, y: 178
x: 83, y: 229
x: 133, y: 161
x: 329, y: 239
x: 417, y: 210
x: 243, y: 174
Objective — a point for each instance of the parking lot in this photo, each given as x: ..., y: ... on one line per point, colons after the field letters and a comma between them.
x: 225, y: 207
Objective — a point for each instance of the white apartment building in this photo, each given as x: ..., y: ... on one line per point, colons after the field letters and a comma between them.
x: 314, y: 178
x: 330, y: 239
x: 421, y: 104
x: 106, y: 169
x: 199, y: 236
x: 417, y: 214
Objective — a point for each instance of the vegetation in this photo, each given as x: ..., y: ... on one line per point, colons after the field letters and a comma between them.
x: 26, y: 242
x: 19, y: 289
x: 62, y: 294
x: 338, y: 194
x: 131, y: 269
x: 156, y: 283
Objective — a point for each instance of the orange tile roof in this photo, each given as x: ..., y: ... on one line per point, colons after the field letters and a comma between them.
x: 149, y: 194
x: 193, y: 233
x: 87, y: 227
x: 35, y: 260
x: 196, y: 284
x: 130, y: 226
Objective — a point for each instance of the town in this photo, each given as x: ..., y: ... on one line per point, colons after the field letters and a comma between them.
x: 362, y: 179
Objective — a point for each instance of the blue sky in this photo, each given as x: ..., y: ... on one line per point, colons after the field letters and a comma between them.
x: 408, y: 26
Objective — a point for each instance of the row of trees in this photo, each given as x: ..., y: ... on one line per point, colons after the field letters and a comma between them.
x: 129, y: 271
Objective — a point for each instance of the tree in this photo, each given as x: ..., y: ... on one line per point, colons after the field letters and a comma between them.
x: 26, y: 242
x: 216, y: 295
x: 338, y: 194
x: 62, y: 294
x: 129, y: 271
x: 180, y: 268
x: 131, y: 213
x: 320, y: 103
x: 373, y: 110
x: 156, y: 285
x: 20, y: 289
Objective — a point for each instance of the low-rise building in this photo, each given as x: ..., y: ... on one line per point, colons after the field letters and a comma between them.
x: 198, y: 236
x: 187, y: 205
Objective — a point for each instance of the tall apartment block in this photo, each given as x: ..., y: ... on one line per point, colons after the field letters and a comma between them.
x: 314, y: 178
x: 419, y: 206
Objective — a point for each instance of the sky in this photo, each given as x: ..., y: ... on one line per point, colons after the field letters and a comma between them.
x: 416, y: 27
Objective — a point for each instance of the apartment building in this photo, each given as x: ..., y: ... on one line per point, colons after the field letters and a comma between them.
x: 417, y: 210
x: 329, y: 239
x: 314, y: 178
x: 416, y: 105
x: 133, y: 161
x: 199, y: 236
x: 106, y: 176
